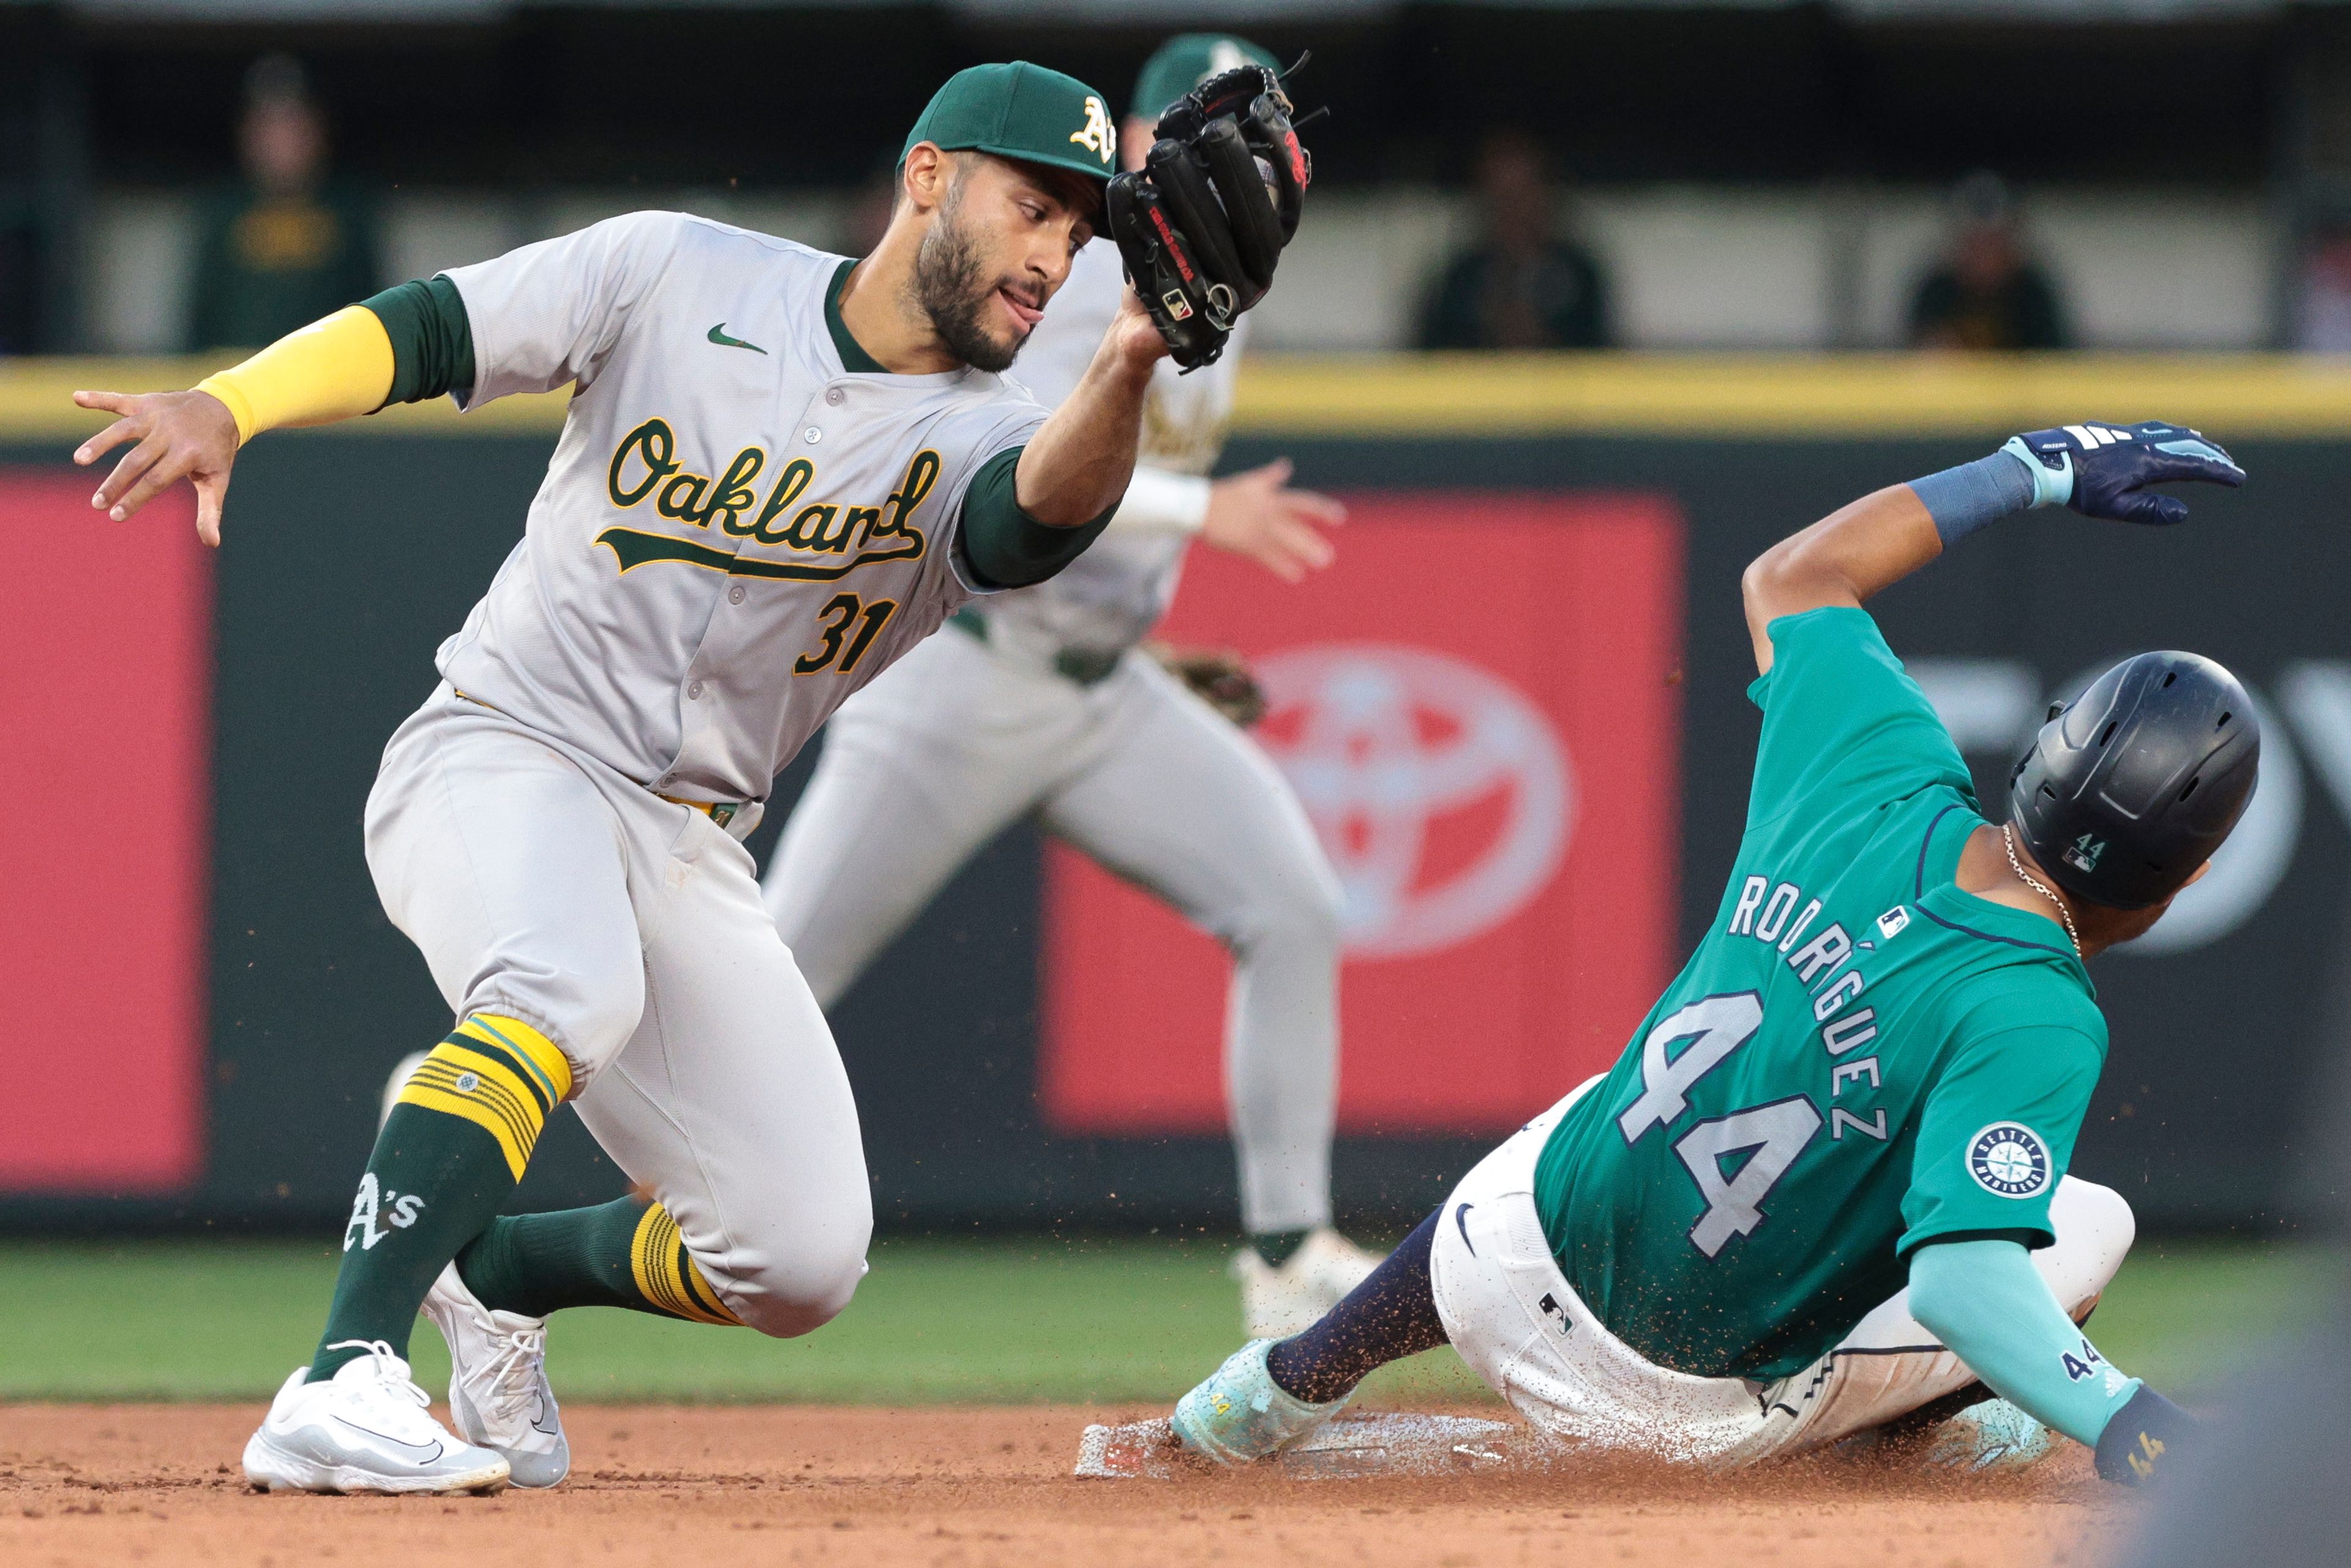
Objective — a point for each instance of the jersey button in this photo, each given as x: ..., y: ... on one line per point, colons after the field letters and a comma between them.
x: 835, y: 396
x: 694, y: 691
x: 812, y: 435
x: 734, y: 594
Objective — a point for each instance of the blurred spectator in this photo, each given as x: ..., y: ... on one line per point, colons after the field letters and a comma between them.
x: 1521, y: 286
x: 2323, y: 313
x: 1986, y: 292
x: 287, y: 245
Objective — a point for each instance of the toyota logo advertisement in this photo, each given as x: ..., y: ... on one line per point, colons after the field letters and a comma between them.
x: 1477, y: 708
x: 1383, y: 741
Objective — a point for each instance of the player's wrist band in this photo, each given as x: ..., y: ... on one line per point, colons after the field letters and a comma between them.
x: 1965, y: 498
x: 2139, y: 1438
x: 1160, y: 502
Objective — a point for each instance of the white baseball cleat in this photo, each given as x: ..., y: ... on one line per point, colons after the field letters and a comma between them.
x: 1240, y: 1413
x: 498, y: 1392
x: 1277, y: 1302
x: 365, y: 1429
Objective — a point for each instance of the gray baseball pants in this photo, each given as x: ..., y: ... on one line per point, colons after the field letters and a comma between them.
x: 961, y: 737
x: 542, y: 885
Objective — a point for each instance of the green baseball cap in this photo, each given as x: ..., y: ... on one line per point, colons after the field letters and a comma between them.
x: 1025, y: 111
x: 1186, y: 60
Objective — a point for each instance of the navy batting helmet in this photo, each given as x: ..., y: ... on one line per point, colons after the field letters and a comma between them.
x: 2132, y: 785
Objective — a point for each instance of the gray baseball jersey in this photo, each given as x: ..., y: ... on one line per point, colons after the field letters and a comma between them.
x: 736, y: 530
x: 1111, y: 596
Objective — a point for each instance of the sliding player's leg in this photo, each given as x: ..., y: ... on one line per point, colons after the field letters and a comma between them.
x: 1890, y: 1367
x: 1491, y: 1305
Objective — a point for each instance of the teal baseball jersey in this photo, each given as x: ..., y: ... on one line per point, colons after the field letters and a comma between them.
x: 1859, y: 1058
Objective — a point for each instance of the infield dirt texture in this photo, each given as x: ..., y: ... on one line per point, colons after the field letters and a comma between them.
x: 936, y: 1422
x: 880, y: 1489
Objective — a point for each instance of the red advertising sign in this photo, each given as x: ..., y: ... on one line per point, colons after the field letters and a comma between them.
x: 1478, y: 707
x: 105, y: 704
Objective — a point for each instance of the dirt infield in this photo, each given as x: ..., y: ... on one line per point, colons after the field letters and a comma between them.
x: 84, y: 1485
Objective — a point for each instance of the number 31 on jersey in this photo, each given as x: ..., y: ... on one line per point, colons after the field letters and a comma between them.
x: 841, y: 612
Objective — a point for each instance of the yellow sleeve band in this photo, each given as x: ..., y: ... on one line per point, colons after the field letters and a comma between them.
x: 334, y: 369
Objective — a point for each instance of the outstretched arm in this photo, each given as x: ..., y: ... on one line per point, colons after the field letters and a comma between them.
x: 2098, y: 470
x: 406, y: 343
x: 1987, y: 1303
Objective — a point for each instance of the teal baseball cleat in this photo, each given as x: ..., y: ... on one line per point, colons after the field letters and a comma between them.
x: 1239, y: 1414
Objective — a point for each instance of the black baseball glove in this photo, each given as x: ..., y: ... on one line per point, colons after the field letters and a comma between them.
x: 1202, y: 223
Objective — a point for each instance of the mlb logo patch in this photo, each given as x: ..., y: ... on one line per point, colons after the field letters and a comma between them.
x: 1892, y: 923
x: 2082, y: 854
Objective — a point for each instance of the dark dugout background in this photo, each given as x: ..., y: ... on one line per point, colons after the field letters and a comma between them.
x: 352, y: 555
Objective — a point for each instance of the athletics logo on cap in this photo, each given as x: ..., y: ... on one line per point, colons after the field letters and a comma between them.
x: 2008, y: 1159
x: 1095, y: 135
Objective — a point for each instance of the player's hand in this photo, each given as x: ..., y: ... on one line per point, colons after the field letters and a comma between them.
x: 2103, y: 470
x: 1132, y: 335
x: 187, y: 436
x: 2142, y: 1439
x: 1256, y: 517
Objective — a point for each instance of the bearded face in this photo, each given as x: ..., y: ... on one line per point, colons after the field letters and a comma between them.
x: 958, y: 294
x: 977, y: 276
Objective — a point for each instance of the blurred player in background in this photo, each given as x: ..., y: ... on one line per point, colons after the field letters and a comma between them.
x: 1825, y: 1186
x: 1044, y: 701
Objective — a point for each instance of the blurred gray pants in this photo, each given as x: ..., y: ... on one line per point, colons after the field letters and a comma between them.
x: 960, y: 739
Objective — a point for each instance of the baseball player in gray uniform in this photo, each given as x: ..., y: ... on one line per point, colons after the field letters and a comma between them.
x: 1040, y: 703
x: 779, y: 471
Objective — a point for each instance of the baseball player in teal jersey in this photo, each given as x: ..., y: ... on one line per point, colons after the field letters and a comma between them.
x: 1825, y: 1186
x: 779, y: 470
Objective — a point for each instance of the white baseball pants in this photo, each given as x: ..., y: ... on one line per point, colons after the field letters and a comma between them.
x: 1512, y: 1317
x: 960, y: 737
x: 543, y: 886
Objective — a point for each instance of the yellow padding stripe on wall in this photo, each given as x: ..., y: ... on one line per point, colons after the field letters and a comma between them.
x: 2231, y: 396
x: 667, y: 1273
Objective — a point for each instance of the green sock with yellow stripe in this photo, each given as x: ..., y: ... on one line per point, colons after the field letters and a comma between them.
x: 625, y: 1253
x: 447, y: 1159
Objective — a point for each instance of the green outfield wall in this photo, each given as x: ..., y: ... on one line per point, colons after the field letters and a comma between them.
x: 351, y: 553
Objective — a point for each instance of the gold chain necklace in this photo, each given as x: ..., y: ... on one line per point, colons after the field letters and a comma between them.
x: 2008, y: 842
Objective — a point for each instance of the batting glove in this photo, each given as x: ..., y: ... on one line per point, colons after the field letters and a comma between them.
x: 2141, y: 1439
x: 2103, y: 470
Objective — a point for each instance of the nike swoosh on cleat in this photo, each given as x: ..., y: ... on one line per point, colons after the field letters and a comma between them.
x: 425, y: 1453
x: 718, y: 336
x: 1461, y: 1223
x: 540, y: 1423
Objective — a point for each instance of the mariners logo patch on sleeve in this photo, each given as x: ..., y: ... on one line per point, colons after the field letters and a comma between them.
x: 2009, y: 1159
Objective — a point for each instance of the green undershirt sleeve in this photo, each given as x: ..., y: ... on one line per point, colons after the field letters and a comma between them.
x: 1988, y: 1304
x: 1007, y: 548
x: 432, y: 340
